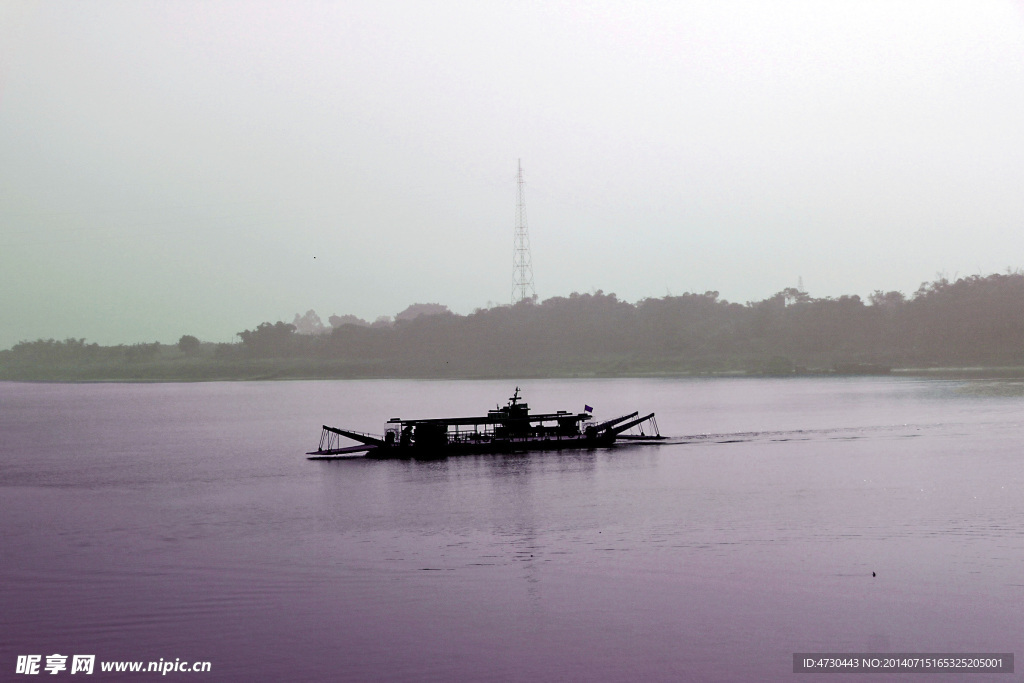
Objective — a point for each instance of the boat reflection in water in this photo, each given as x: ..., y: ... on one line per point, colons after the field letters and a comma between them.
x: 503, y: 430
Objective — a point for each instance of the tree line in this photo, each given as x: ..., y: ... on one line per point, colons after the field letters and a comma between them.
x: 972, y: 321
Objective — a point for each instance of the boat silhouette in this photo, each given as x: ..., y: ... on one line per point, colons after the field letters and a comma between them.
x: 507, y: 429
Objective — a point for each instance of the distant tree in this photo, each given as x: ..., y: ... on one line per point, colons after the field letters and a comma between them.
x: 50, y: 351
x: 417, y: 310
x: 269, y: 339
x: 226, y: 352
x: 792, y: 296
x: 337, y: 321
x: 966, y: 321
x: 188, y: 344
x: 141, y: 352
x: 887, y: 300
x: 309, y: 323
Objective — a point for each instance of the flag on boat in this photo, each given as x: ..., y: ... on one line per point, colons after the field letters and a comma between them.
x: 587, y: 409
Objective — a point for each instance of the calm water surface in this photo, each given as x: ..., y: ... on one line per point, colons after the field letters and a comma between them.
x: 148, y: 521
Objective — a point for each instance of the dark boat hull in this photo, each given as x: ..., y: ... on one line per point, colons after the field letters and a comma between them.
x: 490, y: 447
x: 512, y: 429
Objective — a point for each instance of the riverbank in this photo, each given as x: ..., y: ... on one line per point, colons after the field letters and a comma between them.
x: 207, y: 370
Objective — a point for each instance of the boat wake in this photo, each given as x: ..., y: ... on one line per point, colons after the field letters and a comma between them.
x: 831, y: 434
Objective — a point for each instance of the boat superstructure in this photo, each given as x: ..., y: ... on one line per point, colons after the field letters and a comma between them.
x: 505, y: 429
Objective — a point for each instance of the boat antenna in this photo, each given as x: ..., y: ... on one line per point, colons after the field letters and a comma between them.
x: 522, y: 263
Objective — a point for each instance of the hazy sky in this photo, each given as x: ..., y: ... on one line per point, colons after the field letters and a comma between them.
x: 175, y: 167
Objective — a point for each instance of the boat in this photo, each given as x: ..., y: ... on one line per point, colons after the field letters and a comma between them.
x: 508, y: 429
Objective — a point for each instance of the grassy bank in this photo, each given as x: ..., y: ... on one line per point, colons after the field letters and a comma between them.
x: 180, y: 369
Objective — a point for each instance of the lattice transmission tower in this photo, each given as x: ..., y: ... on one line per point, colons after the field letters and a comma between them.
x: 522, y: 263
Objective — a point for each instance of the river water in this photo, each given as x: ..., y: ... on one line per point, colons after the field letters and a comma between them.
x: 182, y: 522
